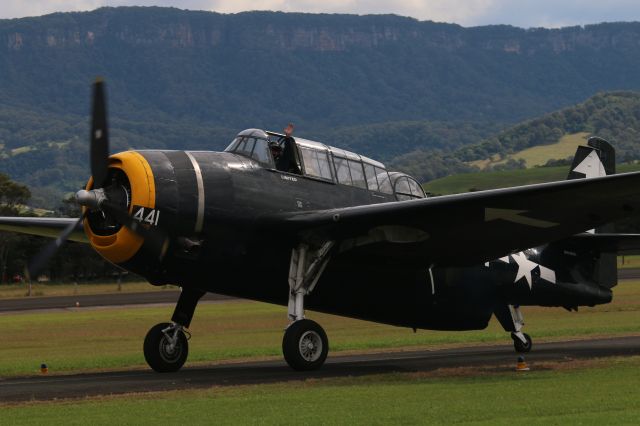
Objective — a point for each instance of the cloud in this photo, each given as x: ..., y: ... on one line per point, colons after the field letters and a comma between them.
x: 21, y: 8
x: 554, y: 13
x: 436, y: 10
x: 525, y: 13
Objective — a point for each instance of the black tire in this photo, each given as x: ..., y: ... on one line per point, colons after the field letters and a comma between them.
x: 305, y: 345
x: 520, y: 346
x: 157, y: 353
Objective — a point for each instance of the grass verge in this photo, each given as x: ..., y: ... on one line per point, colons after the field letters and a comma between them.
x: 597, y: 392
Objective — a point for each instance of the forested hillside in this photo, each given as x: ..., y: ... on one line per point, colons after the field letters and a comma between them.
x: 613, y: 116
x: 381, y: 85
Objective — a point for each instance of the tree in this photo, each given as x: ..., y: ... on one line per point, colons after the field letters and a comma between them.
x: 12, y: 196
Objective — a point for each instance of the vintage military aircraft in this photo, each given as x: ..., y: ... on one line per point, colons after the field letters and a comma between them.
x: 336, y: 232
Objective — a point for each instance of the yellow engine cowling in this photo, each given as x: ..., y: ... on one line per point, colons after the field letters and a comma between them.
x: 124, y: 244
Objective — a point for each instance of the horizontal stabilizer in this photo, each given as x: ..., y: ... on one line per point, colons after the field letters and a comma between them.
x: 603, y: 243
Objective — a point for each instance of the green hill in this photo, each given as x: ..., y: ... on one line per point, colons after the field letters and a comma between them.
x: 613, y: 116
x: 479, y: 181
x: 538, y: 155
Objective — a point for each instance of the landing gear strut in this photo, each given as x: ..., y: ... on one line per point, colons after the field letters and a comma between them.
x: 166, y: 345
x: 511, y: 319
x: 305, y: 344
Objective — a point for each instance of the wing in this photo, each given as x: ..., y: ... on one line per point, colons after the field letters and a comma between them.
x: 470, y: 228
x: 606, y: 243
x: 42, y: 226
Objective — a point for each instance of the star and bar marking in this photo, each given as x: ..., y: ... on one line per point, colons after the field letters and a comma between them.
x: 526, y: 268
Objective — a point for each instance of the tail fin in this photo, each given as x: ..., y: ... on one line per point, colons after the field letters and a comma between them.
x: 595, y: 160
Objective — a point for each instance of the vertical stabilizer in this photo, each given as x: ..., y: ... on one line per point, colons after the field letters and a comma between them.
x: 596, y: 160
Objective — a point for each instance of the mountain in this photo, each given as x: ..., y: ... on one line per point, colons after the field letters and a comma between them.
x: 382, y: 85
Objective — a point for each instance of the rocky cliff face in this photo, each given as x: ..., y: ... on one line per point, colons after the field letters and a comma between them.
x: 182, y: 29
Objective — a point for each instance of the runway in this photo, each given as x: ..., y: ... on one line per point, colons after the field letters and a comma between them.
x: 501, y: 357
x: 629, y: 274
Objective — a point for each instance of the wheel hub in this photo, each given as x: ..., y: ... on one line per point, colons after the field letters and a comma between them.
x: 310, y: 346
x: 169, y: 351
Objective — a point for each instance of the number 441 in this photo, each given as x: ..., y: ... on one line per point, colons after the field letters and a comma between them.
x: 147, y: 215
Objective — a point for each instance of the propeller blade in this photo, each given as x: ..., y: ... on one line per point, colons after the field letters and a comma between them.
x: 154, y: 239
x: 42, y: 258
x: 99, y: 136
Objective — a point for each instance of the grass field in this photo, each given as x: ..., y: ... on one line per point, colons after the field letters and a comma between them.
x: 92, y: 339
x: 628, y: 262
x: 586, y: 392
x: 539, y: 155
x: 479, y: 181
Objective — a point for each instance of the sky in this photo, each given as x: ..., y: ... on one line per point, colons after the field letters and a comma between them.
x: 522, y: 13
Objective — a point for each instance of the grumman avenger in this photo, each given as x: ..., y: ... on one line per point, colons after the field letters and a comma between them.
x: 335, y: 232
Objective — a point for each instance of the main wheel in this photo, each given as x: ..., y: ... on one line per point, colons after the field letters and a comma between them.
x: 305, y: 345
x: 519, y: 345
x: 160, y: 354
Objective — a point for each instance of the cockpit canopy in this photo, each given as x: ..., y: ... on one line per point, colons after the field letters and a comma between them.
x: 323, y: 162
x: 253, y: 143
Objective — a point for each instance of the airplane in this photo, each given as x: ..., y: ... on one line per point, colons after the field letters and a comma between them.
x: 333, y: 231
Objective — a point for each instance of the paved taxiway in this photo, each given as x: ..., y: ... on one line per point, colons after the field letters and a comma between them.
x: 502, y: 358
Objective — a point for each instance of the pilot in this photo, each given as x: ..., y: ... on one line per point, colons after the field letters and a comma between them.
x: 288, y: 160
x: 276, y: 150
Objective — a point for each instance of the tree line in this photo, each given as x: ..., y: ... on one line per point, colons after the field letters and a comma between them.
x: 76, y: 262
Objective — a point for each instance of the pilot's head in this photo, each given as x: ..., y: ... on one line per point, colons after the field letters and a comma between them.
x: 276, y: 150
x: 289, y: 129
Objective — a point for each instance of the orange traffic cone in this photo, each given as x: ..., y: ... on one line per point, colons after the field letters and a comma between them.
x: 522, y: 364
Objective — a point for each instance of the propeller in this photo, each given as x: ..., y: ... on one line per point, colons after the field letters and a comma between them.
x: 96, y: 198
x: 42, y: 258
x: 99, y: 136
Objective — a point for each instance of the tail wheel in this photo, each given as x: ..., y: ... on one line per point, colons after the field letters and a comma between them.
x: 305, y: 345
x: 520, y: 346
x: 166, y: 348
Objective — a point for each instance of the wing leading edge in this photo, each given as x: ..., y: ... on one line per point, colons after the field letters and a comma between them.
x: 471, y: 228
x: 42, y: 226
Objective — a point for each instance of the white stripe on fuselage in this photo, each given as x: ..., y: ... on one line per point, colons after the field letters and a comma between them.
x: 200, y: 183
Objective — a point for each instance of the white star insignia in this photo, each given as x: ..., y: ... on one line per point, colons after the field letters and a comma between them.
x: 526, y: 267
x: 591, y: 166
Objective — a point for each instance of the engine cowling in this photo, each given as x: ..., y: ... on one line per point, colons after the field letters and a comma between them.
x: 130, y: 185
